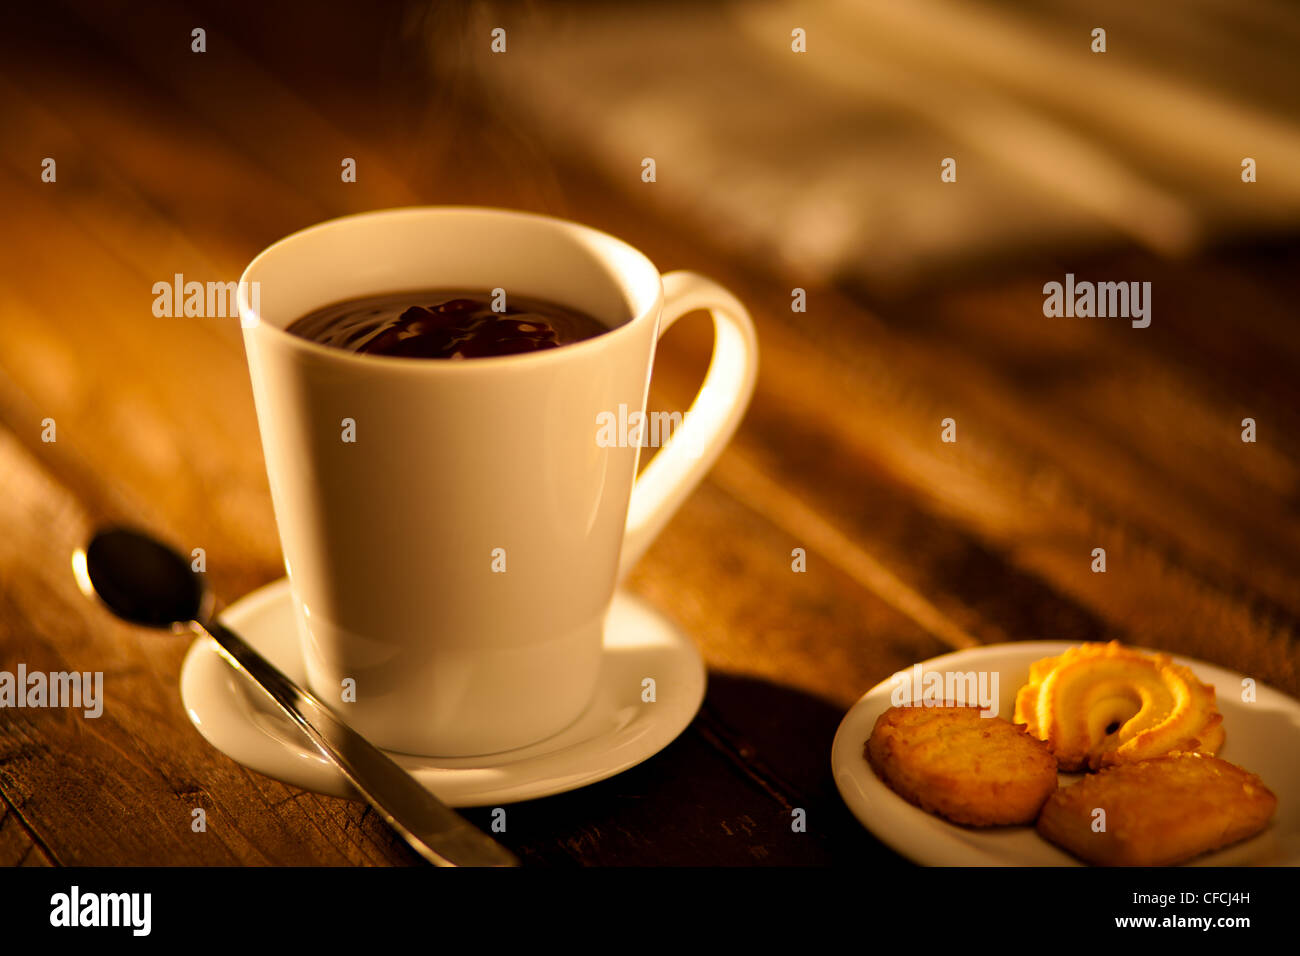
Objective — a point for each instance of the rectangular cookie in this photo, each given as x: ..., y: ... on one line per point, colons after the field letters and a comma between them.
x: 1157, y: 812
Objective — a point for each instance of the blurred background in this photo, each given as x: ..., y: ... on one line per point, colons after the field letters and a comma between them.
x: 824, y: 164
x: 775, y: 170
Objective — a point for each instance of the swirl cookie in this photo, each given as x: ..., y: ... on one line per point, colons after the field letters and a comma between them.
x: 948, y: 760
x: 1098, y: 705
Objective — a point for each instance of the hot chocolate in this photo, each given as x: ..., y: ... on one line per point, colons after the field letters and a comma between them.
x: 446, y: 324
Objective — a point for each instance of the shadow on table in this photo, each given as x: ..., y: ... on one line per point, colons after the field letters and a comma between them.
x: 722, y: 794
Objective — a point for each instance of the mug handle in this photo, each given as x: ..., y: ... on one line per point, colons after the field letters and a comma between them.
x: 712, y: 418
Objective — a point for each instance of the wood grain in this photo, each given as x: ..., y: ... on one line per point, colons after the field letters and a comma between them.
x: 1071, y: 436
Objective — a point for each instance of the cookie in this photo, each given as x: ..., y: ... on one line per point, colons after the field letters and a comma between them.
x: 970, y: 769
x: 1157, y: 812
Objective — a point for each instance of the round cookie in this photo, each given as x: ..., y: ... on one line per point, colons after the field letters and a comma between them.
x: 950, y: 760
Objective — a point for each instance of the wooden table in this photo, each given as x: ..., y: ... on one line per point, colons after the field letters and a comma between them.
x: 1072, y: 435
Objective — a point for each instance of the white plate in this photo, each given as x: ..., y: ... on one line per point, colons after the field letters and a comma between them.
x: 1262, y: 737
x: 617, y: 730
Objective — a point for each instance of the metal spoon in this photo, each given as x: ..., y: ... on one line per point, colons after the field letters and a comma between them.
x: 147, y: 583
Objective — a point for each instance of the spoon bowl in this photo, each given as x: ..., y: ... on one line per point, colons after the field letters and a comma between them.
x: 141, y: 580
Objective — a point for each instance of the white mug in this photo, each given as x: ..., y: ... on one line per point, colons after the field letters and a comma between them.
x: 452, y: 565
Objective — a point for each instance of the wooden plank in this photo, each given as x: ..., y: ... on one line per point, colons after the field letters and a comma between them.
x: 1071, y: 435
x: 17, y: 845
x: 996, y: 531
x: 689, y: 807
x: 120, y: 788
x: 236, y: 801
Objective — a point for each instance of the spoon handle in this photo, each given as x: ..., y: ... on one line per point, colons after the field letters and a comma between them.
x: 433, y: 829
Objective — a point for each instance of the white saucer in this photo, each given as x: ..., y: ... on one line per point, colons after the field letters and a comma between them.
x: 615, y: 732
x: 1262, y: 737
